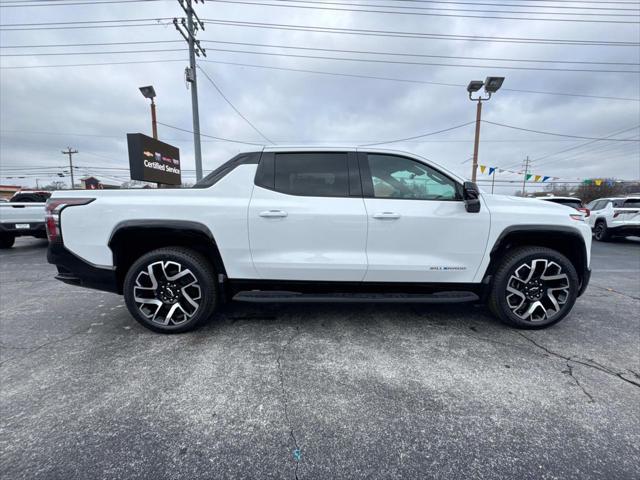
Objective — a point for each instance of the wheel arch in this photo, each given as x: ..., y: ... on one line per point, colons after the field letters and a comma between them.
x: 566, y: 240
x: 133, y: 238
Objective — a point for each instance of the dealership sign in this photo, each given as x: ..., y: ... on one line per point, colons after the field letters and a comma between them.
x: 151, y: 160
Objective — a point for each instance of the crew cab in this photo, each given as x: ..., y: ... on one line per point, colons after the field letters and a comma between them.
x: 615, y: 217
x: 321, y: 225
x: 21, y: 216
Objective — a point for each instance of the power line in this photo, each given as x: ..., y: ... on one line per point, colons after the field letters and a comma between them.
x: 419, y: 136
x: 102, y: 44
x: 442, y: 9
x: 211, y: 136
x: 407, y: 80
x: 431, y: 64
x: 75, y: 27
x: 84, y: 22
x: 233, y: 106
x: 333, y: 30
x: 596, y: 150
x: 63, y: 4
x: 419, y: 35
x: 362, y: 52
x: 390, y: 12
x: 118, y: 52
x: 564, y: 7
x: 365, y: 60
x: 70, y: 134
x: 320, y: 72
x: 582, y: 144
x: 560, y: 134
x: 371, y: 52
x: 88, y: 64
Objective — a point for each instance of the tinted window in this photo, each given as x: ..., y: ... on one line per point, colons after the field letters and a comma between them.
x: 31, y: 197
x: 399, y: 177
x: 598, y: 205
x: 312, y: 174
x: 631, y: 203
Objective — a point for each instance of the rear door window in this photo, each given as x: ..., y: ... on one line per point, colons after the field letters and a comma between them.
x: 312, y: 174
x: 633, y: 203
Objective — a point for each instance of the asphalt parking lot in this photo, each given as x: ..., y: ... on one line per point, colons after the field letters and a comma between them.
x: 317, y: 391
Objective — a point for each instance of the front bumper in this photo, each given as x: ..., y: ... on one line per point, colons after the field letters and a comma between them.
x: 76, y: 271
x: 36, y: 229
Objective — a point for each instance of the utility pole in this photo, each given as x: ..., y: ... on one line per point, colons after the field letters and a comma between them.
x: 191, y: 26
x: 524, y: 175
x: 70, y: 152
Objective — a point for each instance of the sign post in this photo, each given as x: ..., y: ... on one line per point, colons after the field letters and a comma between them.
x: 151, y: 160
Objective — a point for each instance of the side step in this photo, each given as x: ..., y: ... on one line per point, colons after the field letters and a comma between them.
x: 259, y: 296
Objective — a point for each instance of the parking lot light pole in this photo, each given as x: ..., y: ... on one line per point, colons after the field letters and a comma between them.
x: 150, y: 93
x: 491, y: 85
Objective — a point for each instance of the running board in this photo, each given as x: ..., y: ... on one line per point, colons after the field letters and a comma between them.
x: 258, y: 296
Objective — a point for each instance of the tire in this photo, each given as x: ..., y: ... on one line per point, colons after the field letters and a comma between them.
x: 7, y: 241
x: 522, y: 298
x: 180, y: 301
x: 601, y: 232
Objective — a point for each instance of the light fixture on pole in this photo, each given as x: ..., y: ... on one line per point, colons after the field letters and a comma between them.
x: 491, y: 85
x: 150, y: 93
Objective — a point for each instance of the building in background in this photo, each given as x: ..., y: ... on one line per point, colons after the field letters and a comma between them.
x: 98, y: 183
x: 7, y: 191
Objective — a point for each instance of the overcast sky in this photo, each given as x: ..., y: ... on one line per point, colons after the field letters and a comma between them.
x: 91, y: 108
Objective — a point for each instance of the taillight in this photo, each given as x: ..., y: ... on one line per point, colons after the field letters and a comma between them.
x: 53, y: 209
x: 577, y: 216
x: 586, y: 211
x: 616, y: 214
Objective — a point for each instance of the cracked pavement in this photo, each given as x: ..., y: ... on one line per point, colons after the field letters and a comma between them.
x: 317, y: 391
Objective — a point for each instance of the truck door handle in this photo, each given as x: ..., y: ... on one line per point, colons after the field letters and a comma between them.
x: 273, y: 213
x: 386, y: 215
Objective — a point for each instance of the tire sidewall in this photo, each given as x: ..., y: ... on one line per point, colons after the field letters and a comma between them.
x: 201, y: 269
x: 600, y: 231
x: 499, y: 301
x: 7, y: 240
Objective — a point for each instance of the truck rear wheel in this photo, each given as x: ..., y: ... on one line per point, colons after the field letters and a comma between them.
x: 7, y: 240
x: 171, y: 290
x: 534, y: 287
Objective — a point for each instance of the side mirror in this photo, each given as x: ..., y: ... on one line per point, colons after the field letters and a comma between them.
x: 471, y: 196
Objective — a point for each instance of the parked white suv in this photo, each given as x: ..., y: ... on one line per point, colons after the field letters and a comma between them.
x: 614, y: 217
x: 330, y: 225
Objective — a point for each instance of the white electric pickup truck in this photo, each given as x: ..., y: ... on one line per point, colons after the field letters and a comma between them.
x: 22, y: 216
x: 321, y: 225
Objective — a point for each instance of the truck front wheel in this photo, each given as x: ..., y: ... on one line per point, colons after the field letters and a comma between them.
x: 7, y: 240
x: 171, y: 290
x: 533, y: 287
